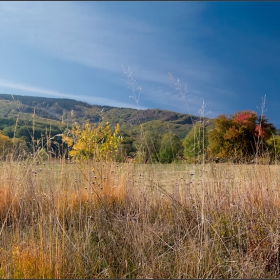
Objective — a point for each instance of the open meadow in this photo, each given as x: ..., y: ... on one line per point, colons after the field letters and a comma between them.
x: 110, y: 220
x: 139, y: 140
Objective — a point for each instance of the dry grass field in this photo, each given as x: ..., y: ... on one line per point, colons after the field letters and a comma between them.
x: 110, y: 220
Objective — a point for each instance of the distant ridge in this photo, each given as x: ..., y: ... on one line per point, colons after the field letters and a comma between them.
x: 64, y: 110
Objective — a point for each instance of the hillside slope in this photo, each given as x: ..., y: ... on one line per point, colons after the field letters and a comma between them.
x: 63, y: 112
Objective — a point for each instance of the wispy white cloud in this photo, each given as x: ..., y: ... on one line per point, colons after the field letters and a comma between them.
x: 38, y: 91
x: 89, y: 36
x: 34, y: 89
x: 70, y: 31
x: 92, y: 37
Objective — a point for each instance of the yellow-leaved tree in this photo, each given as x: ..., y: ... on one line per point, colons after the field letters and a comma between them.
x: 14, y: 147
x: 6, y: 145
x: 93, y: 141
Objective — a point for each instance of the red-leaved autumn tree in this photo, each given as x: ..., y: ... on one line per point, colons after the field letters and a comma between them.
x: 239, y: 136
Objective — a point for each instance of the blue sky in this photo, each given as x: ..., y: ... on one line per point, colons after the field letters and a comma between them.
x: 225, y: 54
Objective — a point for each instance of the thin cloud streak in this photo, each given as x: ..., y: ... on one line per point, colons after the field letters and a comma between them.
x: 94, y: 37
x: 106, y: 49
x: 89, y: 99
x: 110, y: 44
x: 23, y: 87
x: 94, y: 40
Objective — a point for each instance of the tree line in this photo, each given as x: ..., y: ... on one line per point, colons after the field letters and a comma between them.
x: 241, y: 137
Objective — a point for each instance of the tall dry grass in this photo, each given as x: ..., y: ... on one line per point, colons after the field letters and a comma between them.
x: 109, y: 220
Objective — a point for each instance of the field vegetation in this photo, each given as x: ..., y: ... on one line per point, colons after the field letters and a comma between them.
x: 88, y: 200
x: 88, y: 215
x: 126, y: 220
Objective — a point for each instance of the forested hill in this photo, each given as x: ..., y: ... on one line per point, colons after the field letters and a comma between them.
x: 37, y: 124
x: 61, y: 112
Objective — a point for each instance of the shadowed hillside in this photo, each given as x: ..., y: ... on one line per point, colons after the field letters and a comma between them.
x: 67, y: 111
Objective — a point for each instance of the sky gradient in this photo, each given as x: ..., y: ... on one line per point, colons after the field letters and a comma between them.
x: 225, y: 54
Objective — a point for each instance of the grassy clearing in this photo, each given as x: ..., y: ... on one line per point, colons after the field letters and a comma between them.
x: 109, y: 220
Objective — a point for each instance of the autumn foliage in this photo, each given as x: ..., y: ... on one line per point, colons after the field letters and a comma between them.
x: 92, y: 141
x: 241, y: 135
x: 14, y: 147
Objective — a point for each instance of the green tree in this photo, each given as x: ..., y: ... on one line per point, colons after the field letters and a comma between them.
x: 171, y: 148
x: 195, y: 144
x: 126, y: 148
x: 273, y: 147
x: 9, y: 131
x: 20, y: 149
x: 148, y: 147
